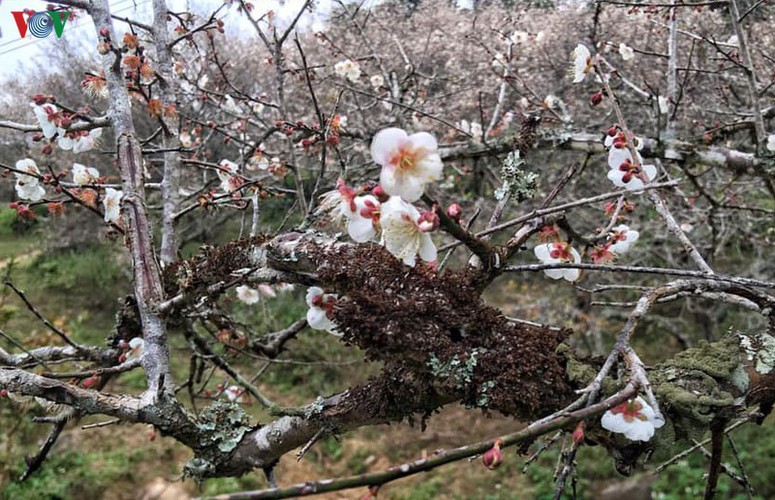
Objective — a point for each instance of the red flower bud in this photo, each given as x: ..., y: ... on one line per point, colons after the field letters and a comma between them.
x: 613, y: 130
x: 3, y: 393
x: 428, y: 221
x: 333, y: 140
x: 454, y: 212
x: 47, y: 149
x: 91, y: 381
x: 104, y: 32
x: 379, y: 192
x: 40, y: 99
x: 578, y: 433
x: 493, y: 457
x: 596, y: 98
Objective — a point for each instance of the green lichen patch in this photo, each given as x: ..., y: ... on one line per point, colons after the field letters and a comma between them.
x: 697, y: 385
x: 222, y: 426
x: 761, y: 349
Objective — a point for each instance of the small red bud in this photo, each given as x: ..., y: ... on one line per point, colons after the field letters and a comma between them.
x: 596, y: 98
x: 37, y: 137
x: 333, y: 140
x: 613, y: 130
x: 578, y: 433
x: 91, y: 381
x: 299, y: 124
x: 40, y: 99
x: 428, y: 221
x: 47, y: 149
x: 493, y: 457
x: 3, y: 393
x: 379, y: 192
x: 454, y: 212
x: 104, y: 32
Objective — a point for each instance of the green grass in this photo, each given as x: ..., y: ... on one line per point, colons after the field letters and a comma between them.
x: 75, y: 474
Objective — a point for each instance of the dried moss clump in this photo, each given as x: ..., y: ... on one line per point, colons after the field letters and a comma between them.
x: 211, y: 265
x: 437, y: 327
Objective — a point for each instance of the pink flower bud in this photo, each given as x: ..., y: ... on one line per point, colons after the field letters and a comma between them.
x: 3, y: 393
x: 104, y: 32
x: 40, y: 99
x: 578, y: 433
x: 454, y: 212
x: 428, y: 221
x: 379, y: 192
x: 493, y: 457
x: 91, y: 381
x: 596, y: 98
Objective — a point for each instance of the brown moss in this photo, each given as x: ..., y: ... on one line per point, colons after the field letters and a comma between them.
x: 437, y: 327
x: 211, y: 265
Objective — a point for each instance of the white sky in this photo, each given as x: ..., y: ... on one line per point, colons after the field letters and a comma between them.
x: 17, y: 54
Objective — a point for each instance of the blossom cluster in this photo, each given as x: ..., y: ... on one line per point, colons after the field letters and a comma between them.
x: 409, y: 163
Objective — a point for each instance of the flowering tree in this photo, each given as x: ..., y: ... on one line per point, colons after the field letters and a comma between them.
x: 386, y: 177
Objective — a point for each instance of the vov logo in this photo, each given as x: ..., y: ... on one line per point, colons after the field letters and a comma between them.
x: 40, y: 24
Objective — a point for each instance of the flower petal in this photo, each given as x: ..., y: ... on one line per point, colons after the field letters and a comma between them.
x: 385, y: 142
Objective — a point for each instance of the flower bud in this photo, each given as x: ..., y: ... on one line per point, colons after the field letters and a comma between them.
x: 47, y: 149
x: 40, y: 99
x: 91, y: 381
x: 103, y: 48
x: 578, y: 433
x: 596, y: 98
x: 493, y: 457
x: 428, y: 221
x: 3, y: 393
x: 104, y: 32
x: 379, y: 192
x: 454, y: 212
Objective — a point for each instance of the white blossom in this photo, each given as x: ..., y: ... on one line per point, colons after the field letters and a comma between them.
x: 348, y: 69
x: 227, y: 174
x: 401, y: 232
x: 626, y: 173
x: 408, y: 162
x: 83, y: 175
x: 112, y: 204
x: 626, y: 52
x: 363, y: 222
x: 519, y: 37
x: 622, y: 237
x: 28, y: 187
x: 771, y: 143
x: 78, y: 142
x: 43, y: 113
x: 321, y: 306
x: 581, y: 63
x: 377, y: 81
x: 633, y: 418
x: 559, y: 253
x: 136, y: 348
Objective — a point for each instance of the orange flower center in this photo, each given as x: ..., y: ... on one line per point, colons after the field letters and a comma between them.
x: 405, y: 158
